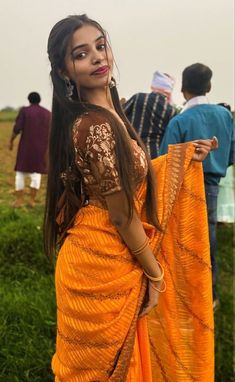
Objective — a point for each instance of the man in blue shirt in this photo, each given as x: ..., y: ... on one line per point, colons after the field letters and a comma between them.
x: 201, y: 120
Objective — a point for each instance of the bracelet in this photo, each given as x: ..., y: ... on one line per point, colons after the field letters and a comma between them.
x: 137, y: 251
x: 152, y: 278
x: 159, y: 290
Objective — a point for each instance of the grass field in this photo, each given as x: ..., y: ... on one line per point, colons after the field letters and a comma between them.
x: 7, y: 116
x: 27, y: 309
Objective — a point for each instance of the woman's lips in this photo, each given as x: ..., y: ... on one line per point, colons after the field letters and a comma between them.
x: 101, y: 70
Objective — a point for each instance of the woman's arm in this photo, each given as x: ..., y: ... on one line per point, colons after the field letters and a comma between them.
x: 132, y: 232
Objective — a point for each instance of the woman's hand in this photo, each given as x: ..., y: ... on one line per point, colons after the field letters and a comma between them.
x: 203, y: 147
x: 151, y: 297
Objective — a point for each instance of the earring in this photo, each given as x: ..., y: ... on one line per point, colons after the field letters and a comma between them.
x: 69, y: 88
x: 112, y: 84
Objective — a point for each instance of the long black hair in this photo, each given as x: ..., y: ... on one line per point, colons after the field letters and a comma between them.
x: 64, y: 194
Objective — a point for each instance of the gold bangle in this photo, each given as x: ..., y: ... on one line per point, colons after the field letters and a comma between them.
x: 155, y: 279
x: 152, y: 278
x: 159, y: 290
x: 141, y: 248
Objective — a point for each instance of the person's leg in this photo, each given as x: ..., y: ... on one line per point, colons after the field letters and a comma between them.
x: 34, y: 187
x: 19, y: 189
x: 211, y: 200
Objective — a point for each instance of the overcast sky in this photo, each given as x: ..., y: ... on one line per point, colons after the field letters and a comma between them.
x: 146, y: 35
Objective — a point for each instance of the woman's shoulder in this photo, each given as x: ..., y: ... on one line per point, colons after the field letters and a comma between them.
x: 90, y: 118
x: 92, y: 123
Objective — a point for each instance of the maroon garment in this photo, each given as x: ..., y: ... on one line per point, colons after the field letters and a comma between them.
x: 33, y: 123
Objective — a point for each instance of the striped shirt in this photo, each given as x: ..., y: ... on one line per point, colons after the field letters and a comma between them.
x: 149, y: 114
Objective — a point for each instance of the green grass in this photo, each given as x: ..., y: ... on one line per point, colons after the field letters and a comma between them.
x: 27, y: 308
x: 27, y: 326
x: 224, y: 315
x: 6, y: 116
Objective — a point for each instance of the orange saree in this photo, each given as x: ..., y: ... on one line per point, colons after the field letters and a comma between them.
x: 100, y: 289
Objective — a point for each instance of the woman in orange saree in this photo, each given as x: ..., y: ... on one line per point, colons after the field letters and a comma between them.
x: 107, y: 276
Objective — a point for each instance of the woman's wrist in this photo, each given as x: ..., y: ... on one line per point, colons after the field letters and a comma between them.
x: 157, y: 283
x: 159, y: 286
x: 158, y: 276
x: 151, y: 267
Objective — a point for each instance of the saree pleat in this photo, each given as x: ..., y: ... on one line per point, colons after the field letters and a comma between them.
x: 100, y: 289
x: 140, y: 368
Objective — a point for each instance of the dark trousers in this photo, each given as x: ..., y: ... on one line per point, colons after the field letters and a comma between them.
x: 211, y: 200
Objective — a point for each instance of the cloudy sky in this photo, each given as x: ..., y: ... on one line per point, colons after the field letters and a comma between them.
x: 146, y: 35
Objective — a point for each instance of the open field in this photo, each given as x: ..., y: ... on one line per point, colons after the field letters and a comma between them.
x: 7, y: 116
x: 27, y: 309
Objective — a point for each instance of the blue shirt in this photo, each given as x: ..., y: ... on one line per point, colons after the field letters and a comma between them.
x: 203, y: 122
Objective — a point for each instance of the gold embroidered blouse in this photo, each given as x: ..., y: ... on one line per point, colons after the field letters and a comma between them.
x: 95, y: 156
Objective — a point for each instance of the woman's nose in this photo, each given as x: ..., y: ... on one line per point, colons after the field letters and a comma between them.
x: 97, y: 57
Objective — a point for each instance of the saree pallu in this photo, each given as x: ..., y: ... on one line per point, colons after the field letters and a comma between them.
x: 100, y: 289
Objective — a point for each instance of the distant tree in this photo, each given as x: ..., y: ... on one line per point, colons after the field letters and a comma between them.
x: 8, y: 108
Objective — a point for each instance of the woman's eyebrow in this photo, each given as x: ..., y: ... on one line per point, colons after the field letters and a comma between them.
x: 83, y: 45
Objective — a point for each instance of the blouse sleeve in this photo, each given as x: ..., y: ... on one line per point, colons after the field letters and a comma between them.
x: 96, y: 158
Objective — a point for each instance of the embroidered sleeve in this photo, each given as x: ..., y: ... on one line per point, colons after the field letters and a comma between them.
x: 95, y: 148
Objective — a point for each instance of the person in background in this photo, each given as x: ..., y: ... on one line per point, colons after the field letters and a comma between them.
x: 119, y: 241
x: 226, y: 202
x: 32, y: 123
x: 150, y: 113
x: 199, y: 120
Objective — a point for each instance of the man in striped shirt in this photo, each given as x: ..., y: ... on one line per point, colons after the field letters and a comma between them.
x: 150, y: 113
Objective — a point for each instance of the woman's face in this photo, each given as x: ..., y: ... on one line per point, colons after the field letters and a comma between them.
x: 89, y: 59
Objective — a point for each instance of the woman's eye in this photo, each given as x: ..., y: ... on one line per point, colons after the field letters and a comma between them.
x: 79, y: 56
x: 101, y: 46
